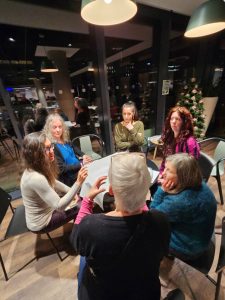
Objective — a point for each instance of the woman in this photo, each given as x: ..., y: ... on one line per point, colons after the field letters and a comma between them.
x: 69, y: 158
x: 189, y: 204
x: 82, y: 116
x: 44, y: 209
x: 178, y: 134
x: 129, y: 134
x: 123, y: 248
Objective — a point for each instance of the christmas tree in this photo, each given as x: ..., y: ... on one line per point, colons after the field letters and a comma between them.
x: 190, y: 96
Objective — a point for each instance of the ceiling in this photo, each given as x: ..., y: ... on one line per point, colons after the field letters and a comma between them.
x: 35, y: 24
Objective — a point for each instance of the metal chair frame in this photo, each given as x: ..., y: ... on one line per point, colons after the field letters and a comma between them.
x: 91, y: 136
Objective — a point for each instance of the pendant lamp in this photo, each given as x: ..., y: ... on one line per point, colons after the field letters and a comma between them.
x: 107, y: 12
x: 48, y: 66
x: 208, y: 18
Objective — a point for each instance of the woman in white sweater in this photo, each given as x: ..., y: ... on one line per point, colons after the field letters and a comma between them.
x: 44, y: 208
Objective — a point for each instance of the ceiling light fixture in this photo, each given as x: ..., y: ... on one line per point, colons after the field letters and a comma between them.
x: 48, y: 66
x: 207, y: 19
x: 107, y: 12
x: 90, y: 67
x: 12, y: 40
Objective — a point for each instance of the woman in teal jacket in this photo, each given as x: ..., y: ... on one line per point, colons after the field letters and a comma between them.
x: 189, y: 204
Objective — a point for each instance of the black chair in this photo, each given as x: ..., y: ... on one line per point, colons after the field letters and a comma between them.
x: 90, y: 144
x: 205, y: 165
x: 17, y: 226
x: 204, y: 263
x: 217, y: 161
x: 3, y: 196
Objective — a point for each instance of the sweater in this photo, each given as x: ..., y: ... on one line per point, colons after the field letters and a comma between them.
x: 127, y: 139
x: 40, y: 199
x: 119, y: 265
x: 190, y: 145
x: 192, y: 215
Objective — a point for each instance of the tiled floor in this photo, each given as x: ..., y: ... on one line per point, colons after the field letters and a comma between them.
x: 48, y: 278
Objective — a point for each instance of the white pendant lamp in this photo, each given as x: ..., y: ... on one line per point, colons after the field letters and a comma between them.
x: 207, y: 19
x: 107, y: 12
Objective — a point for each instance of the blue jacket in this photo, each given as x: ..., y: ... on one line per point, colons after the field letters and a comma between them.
x: 192, y: 216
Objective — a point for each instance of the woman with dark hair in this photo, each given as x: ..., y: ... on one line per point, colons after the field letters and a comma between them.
x: 129, y: 134
x: 178, y: 134
x: 189, y: 204
x: 82, y: 116
x: 38, y: 123
x: 44, y: 208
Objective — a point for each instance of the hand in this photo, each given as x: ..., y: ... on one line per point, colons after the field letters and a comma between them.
x: 167, y: 185
x: 95, y: 189
x: 87, y: 159
x: 82, y: 175
x: 129, y: 126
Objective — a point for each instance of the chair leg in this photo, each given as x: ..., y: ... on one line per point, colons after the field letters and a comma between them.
x: 217, y: 293
x: 220, y: 188
x: 12, y: 209
x: 3, y: 268
x: 53, y: 244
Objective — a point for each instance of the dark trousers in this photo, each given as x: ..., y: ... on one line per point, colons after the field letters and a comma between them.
x: 59, y: 218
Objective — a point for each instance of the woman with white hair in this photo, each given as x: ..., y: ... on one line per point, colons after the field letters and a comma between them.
x: 189, y: 204
x: 122, y: 248
x: 69, y: 158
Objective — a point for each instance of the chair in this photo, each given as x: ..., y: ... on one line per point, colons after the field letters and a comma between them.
x: 204, y: 263
x: 90, y: 144
x: 147, y: 144
x: 17, y: 226
x: 217, y: 161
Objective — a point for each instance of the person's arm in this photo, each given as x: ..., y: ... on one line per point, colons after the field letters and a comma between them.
x: 49, y: 195
x: 63, y: 167
x: 119, y: 139
x: 87, y: 202
x: 137, y: 133
x: 193, y: 147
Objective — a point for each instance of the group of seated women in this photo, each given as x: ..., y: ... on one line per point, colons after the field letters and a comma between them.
x: 121, y: 250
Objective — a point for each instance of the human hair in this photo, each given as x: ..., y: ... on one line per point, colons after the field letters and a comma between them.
x: 82, y: 103
x: 130, y: 180
x: 188, y: 172
x: 131, y: 104
x: 186, y: 130
x: 48, y: 126
x: 34, y: 156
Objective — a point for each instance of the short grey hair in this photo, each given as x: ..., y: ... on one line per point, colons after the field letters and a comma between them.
x: 48, y: 125
x: 130, y: 180
x: 188, y: 172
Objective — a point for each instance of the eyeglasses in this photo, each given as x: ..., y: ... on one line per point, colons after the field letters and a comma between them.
x: 47, y: 149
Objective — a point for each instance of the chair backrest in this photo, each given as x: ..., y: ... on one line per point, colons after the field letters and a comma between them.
x: 221, y: 260
x: 205, y: 164
x: 5, y: 199
x: 90, y: 144
x: 218, y: 154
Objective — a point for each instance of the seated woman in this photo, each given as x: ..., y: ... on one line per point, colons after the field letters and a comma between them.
x: 129, y: 134
x: 69, y: 158
x: 44, y: 209
x: 189, y: 204
x: 122, y: 248
x: 82, y: 116
x: 178, y: 134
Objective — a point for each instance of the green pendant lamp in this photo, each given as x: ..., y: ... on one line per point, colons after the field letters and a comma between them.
x: 208, y: 18
x: 48, y: 66
x: 107, y: 12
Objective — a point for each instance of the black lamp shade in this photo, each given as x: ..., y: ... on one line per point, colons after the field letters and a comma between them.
x: 48, y: 66
x: 207, y: 19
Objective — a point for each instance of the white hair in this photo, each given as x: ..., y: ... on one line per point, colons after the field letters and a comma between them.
x: 130, y: 180
x: 48, y: 125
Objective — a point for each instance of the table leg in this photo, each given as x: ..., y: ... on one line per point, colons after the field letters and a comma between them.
x: 155, y: 152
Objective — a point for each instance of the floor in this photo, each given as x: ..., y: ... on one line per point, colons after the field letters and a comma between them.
x: 49, y: 278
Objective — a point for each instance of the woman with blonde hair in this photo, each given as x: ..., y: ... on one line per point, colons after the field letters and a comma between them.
x: 69, y: 158
x: 44, y: 208
x: 189, y: 204
x: 113, y: 245
x: 129, y: 134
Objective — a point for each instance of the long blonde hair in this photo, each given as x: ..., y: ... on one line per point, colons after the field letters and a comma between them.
x: 48, y: 126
